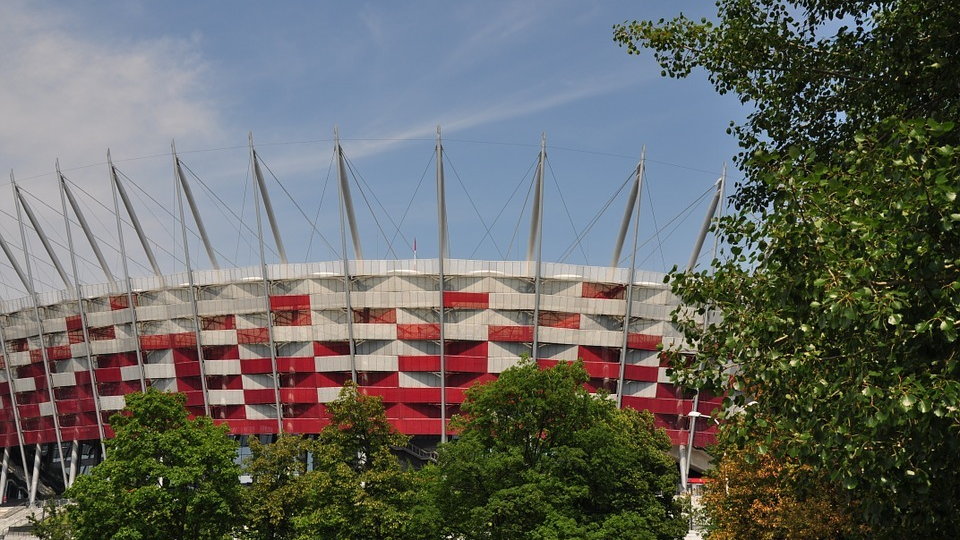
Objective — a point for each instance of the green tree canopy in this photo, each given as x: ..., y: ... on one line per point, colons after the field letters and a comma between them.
x: 839, y: 291
x: 539, y: 457
x: 165, y: 476
x: 815, y: 71
x: 353, y: 488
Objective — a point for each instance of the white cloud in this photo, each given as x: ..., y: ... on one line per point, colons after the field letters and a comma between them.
x: 70, y: 95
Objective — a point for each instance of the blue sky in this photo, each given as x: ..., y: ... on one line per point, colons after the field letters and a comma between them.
x: 131, y: 76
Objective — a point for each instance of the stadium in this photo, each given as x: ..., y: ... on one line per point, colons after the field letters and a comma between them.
x: 262, y: 348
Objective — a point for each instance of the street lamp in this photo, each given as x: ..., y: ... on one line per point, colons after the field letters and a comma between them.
x: 685, y: 465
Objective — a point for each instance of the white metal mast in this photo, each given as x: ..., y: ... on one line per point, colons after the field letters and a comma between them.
x: 82, y: 311
x: 266, y: 282
x: 197, y: 218
x: 131, y: 307
x: 345, y: 204
x: 40, y: 334
x: 536, y: 242
x: 13, y: 402
x: 179, y: 181
x: 442, y: 242
x: 43, y: 237
x: 721, y: 186
x: 633, y: 203
x: 86, y: 228
x: 122, y: 191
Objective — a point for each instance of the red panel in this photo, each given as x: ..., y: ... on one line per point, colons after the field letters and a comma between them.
x: 510, y: 333
x: 602, y: 370
x: 418, y: 332
x: 252, y: 335
x: 121, y: 302
x: 102, y: 333
x: 466, y: 300
x: 603, y: 290
x: 259, y: 397
x: 658, y: 405
x: 375, y: 315
x: 75, y: 336
x: 108, y: 375
x: 221, y: 352
x: 296, y: 364
x: 643, y: 341
x: 598, y: 354
x: 418, y: 363
x: 290, y: 302
x: 304, y: 425
x: 59, y: 352
x: 73, y: 322
x: 155, y: 343
x: 298, y: 395
x: 467, y: 364
x: 187, y: 369
x: 379, y: 378
x: 641, y: 373
x: 467, y: 348
x: 182, y: 340
x: 218, y: 322
x: 255, y: 365
x: 224, y: 382
x: 252, y: 427
x: 556, y: 319
x: 331, y: 348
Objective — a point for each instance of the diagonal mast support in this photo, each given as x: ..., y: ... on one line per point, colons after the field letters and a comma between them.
x: 702, y: 235
x: 177, y: 180
x: 266, y: 289
x: 43, y: 237
x: 188, y: 194
x: 261, y: 185
x: 133, y: 216
x: 344, y: 194
x: 83, y: 225
x: 537, y: 229
x: 344, y: 183
x: 40, y: 334
x: 83, y: 318
x: 637, y: 192
x: 13, y: 401
x: 632, y: 199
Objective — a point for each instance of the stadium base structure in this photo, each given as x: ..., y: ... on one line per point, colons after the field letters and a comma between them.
x: 271, y: 352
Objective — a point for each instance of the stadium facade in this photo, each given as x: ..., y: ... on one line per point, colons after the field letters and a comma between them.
x: 262, y: 349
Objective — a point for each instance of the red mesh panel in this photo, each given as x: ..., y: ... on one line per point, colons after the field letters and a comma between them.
x: 121, y: 302
x: 603, y: 290
x: 221, y: 352
x: 59, y: 352
x: 74, y: 322
x: 467, y: 348
x: 252, y: 335
x: 153, y: 343
x: 641, y: 373
x: 255, y: 365
x: 556, y: 319
x: 466, y: 300
x: 418, y: 331
x: 598, y: 354
x: 418, y: 363
x: 301, y: 364
x: 375, y: 315
x: 183, y: 340
x: 17, y: 345
x: 218, y: 322
x: 102, y: 333
x: 510, y: 333
x: 75, y: 336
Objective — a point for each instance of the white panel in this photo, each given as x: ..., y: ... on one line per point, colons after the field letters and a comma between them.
x: 222, y: 367
x: 328, y: 394
x: 46, y: 408
x: 218, y: 337
x: 377, y: 363
x: 419, y: 379
x: 112, y: 403
x: 27, y: 384
x: 159, y: 371
x: 130, y: 373
x: 332, y: 363
x: 225, y: 397
x: 63, y: 379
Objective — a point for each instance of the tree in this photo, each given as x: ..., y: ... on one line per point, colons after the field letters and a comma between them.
x: 816, y: 72
x: 354, y: 488
x: 540, y: 457
x: 165, y: 476
x: 839, y: 288
x: 751, y: 495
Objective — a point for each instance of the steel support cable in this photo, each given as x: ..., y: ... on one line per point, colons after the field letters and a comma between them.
x: 115, y: 249
x: 516, y: 230
x: 60, y: 244
x: 681, y: 216
x: 567, y: 210
x: 46, y: 264
x: 359, y: 178
x: 243, y: 206
x: 316, y: 217
x: 596, y: 218
x: 410, y: 203
x: 487, y: 232
x: 297, y: 205
x: 366, y: 201
x: 500, y: 213
x: 653, y: 215
x: 224, y: 209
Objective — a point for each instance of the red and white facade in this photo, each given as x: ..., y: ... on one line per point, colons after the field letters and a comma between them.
x: 227, y: 369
